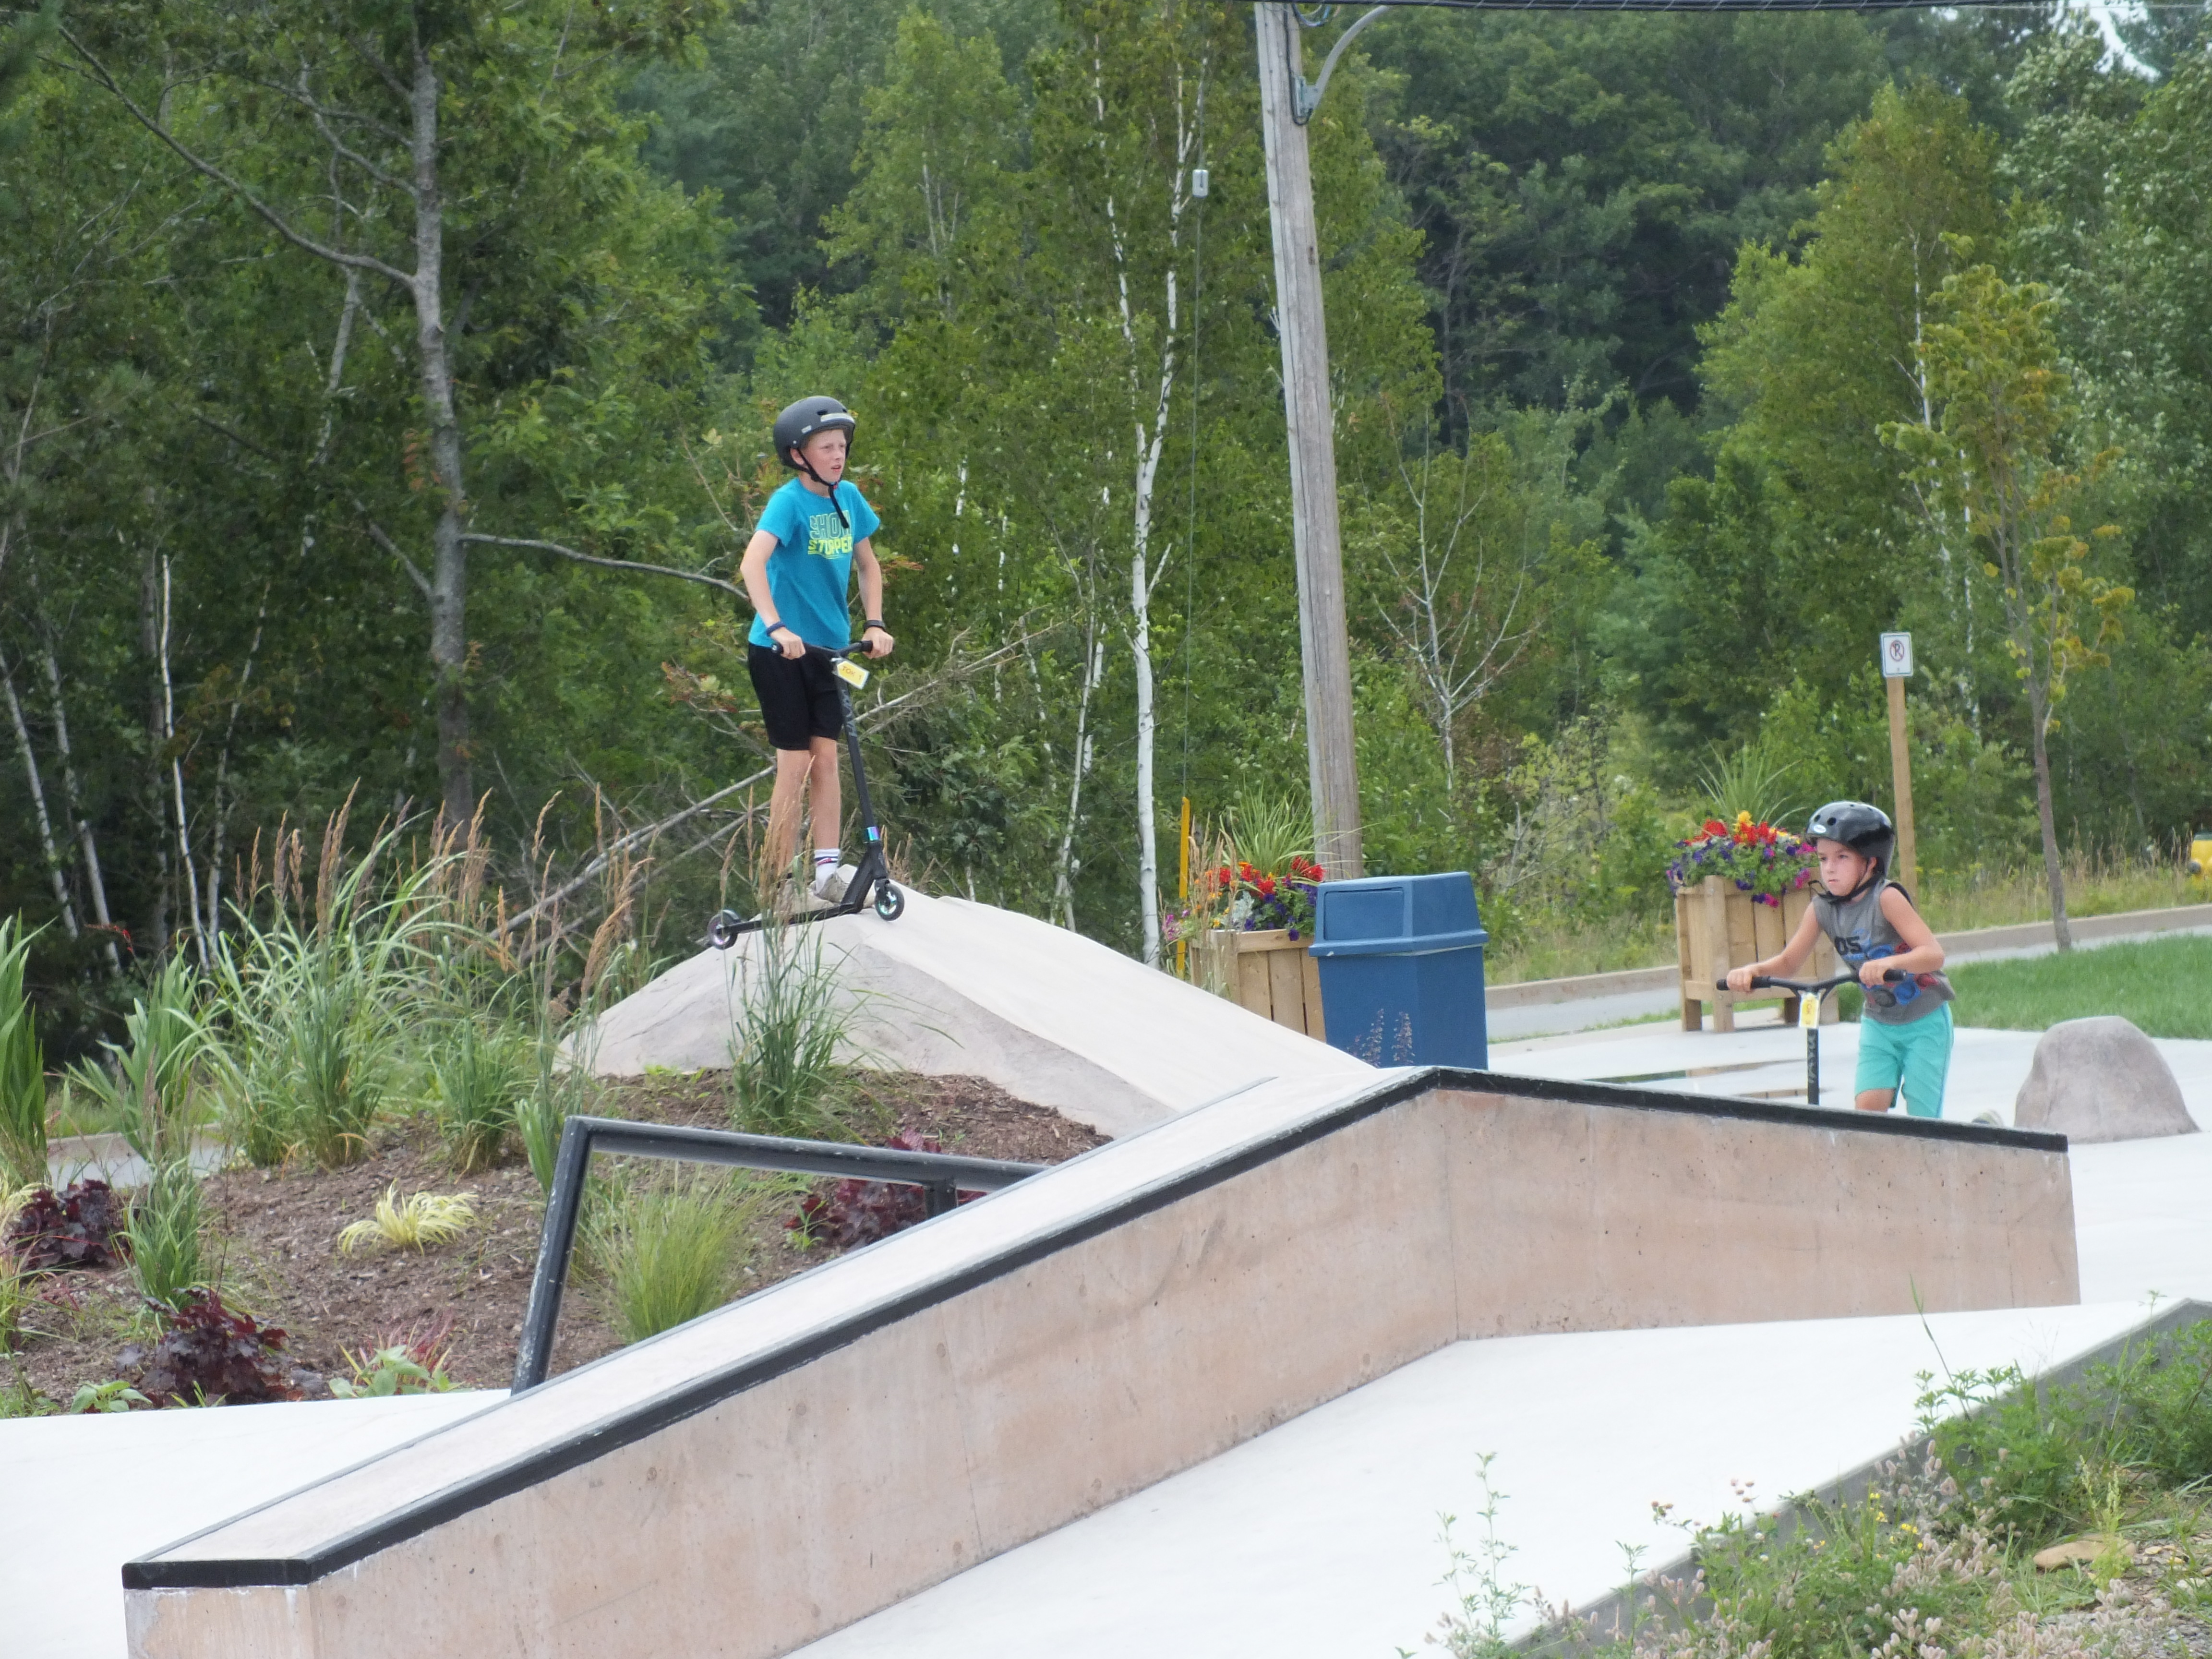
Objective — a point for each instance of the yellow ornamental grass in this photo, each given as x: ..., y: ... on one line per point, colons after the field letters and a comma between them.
x: 417, y: 1222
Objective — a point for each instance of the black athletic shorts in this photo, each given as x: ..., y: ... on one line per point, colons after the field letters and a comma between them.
x: 798, y: 699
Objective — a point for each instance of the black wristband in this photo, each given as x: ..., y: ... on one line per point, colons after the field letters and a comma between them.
x: 873, y: 622
x: 776, y: 628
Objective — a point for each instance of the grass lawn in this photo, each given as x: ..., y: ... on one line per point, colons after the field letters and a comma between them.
x: 2161, y: 984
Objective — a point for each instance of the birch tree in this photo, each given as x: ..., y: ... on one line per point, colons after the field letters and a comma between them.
x: 1991, y: 459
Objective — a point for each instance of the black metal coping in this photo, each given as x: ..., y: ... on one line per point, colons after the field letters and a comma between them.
x: 674, y: 1406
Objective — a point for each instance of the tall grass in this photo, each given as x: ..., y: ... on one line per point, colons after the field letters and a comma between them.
x: 791, y: 1030
x: 165, y: 1233
x: 149, y: 1084
x: 318, y: 1003
x: 22, y: 1065
x: 481, y: 1072
x: 669, y: 1249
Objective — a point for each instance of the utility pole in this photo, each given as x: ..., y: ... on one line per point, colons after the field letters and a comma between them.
x: 1896, y: 669
x: 1314, y: 538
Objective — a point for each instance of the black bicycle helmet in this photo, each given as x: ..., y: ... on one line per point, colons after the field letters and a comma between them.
x: 1861, y: 828
x: 800, y: 422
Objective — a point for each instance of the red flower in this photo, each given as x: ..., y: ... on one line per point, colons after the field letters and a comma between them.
x: 1313, y: 871
x: 1267, y: 886
x: 1715, y: 827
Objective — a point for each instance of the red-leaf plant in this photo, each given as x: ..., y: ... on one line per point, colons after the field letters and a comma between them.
x: 81, y: 1226
x: 209, y: 1355
x: 858, y: 1213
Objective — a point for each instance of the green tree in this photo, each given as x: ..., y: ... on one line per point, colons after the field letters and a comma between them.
x: 1987, y: 465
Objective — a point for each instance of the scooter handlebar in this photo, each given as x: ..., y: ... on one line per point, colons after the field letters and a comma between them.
x: 1812, y: 987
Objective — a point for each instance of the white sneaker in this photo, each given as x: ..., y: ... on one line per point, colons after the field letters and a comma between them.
x: 832, y: 886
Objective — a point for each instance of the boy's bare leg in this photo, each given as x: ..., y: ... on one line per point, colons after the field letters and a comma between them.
x: 823, y: 800
x: 1875, y: 1100
x: 791, y: 768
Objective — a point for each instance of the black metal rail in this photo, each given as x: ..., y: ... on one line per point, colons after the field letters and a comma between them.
x: 942, y: 1178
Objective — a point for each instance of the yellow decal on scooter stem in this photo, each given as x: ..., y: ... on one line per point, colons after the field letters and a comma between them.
x: 852, y: 673
x: 1809, y: 1011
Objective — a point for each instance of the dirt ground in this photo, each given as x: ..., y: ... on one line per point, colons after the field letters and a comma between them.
x: 275, y: 1232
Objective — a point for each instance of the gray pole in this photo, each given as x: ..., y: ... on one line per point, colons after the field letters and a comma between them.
x: 1314, y: 533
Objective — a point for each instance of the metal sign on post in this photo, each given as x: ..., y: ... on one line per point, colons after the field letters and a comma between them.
x: 1896, y: 667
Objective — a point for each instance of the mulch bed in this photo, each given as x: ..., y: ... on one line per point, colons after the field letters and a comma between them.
x: 276, y: 1232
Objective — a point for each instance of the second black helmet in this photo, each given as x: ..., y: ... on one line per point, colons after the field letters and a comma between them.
x: 803, y: 419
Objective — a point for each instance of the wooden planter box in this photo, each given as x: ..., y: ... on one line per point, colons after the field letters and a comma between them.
x: 1269, y: 973
x: 1717, y: 928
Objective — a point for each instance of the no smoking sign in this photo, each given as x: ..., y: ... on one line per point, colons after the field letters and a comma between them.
x: 1897, y: 656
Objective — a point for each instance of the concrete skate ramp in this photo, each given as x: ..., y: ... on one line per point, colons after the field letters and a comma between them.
x: 770, y: 1472
x: 954, y: 987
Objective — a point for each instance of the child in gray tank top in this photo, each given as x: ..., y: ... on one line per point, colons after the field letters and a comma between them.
x: 1904, y: 1035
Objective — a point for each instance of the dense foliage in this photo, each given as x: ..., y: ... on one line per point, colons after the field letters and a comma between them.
x: 383, y: 398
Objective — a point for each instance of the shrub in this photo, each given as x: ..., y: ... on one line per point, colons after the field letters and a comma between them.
x: 481, y: 1076
x: 791, y: 1028
x: 210, y: 1355
x: 75, y: 1228
x: 22, y: 1068
x: 564, y: 1087
x: 164, y: 1233
x: 858, y: 1213
x: 413, y: 1222
x: 668, y: 1251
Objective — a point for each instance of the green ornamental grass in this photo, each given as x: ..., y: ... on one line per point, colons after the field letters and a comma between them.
x: 670, y: 1249
x: 23, y: 1067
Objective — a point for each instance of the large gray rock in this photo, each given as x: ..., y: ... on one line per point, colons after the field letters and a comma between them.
x: 2101, y: 1079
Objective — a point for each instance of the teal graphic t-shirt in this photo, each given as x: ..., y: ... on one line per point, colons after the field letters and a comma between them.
x: 810, y: 571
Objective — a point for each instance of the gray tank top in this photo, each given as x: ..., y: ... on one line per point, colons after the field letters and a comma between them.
x: 1859, y: 930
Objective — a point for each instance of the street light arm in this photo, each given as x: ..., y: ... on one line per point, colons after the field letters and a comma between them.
x: 1306, y: 98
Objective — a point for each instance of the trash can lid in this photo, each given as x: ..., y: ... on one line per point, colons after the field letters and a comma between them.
x: 1396, y: 915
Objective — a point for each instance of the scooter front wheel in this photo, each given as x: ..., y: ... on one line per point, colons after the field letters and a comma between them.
x: 891, y: 903
x: 722, y: 930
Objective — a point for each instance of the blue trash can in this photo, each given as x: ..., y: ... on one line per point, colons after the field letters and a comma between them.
x: 1401, y: 960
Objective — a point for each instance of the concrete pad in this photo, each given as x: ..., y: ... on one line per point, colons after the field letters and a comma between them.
x: 955, y: 987
x: 85, y: 1494
x: 1320, y: 1539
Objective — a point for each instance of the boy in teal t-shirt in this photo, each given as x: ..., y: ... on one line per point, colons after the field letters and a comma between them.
x: 811, y: 539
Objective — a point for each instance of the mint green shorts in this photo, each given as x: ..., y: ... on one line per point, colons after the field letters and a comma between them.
x: 1914, y: 1058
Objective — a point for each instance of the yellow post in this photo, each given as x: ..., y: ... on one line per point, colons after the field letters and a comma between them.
x: 1183, y: 892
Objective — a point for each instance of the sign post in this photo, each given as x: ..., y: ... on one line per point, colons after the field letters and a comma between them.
x: 1896, y: 669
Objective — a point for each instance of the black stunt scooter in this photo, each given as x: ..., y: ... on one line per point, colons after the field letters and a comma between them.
x: 1809, y: 994
x: 872, y: 882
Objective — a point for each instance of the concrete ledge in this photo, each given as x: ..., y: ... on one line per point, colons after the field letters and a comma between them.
x: 768, y: 1474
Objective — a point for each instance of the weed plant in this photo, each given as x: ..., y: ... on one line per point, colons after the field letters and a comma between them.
x: 481, y: 1072
x: 791, y: 1029
x: 1933, y: 1561
x: 166, y: 1234
x: 148, y: 1085
x: 564, y: 1087
x: 669, y: 1247
x: 22, y: 1066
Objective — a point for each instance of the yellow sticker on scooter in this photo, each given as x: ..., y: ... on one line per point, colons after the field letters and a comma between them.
x: 1809, y: 1011
x: 852, y: 673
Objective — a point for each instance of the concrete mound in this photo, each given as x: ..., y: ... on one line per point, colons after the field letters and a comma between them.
x: 955, y: 989
x: 2101, y: 1079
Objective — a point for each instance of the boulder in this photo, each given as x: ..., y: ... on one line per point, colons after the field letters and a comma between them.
x: 2101, y: 1079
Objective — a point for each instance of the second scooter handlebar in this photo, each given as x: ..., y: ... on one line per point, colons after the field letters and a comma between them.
x: 1812, y: 987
